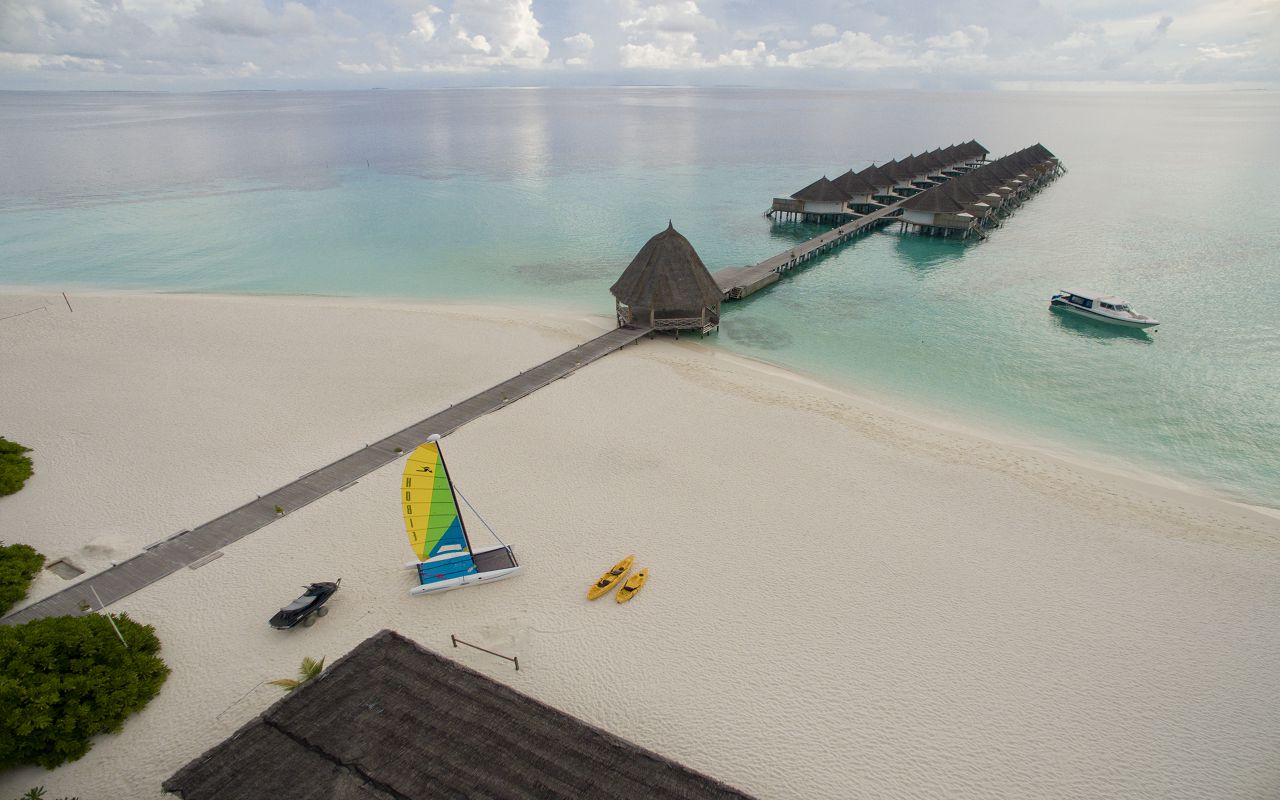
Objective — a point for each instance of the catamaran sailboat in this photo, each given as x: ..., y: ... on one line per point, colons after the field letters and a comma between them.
x: 437, y: 534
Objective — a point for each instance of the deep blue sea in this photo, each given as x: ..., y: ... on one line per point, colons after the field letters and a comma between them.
x: 535, y: 196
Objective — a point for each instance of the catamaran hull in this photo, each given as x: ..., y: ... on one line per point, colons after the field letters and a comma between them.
x: 494, y: 557
x: 463, y: 580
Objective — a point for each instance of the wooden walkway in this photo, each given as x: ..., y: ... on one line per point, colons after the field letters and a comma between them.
x: 186, y: 548
x: 740, y: 282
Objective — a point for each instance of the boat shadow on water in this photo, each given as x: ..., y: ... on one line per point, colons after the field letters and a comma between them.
x: 1088, y: 329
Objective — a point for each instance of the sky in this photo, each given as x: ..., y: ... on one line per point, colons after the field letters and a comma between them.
x: 192, y: 45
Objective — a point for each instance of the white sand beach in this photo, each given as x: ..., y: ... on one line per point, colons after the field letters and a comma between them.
x: 844, y: 600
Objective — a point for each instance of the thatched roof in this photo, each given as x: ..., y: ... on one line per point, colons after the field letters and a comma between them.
x: 853, y: 183
x: 394, y: 721
x: 897, y: 171
x: 822, y: 191
x: 935, y: 201
x: 667, y: 275
x: 876, y: 176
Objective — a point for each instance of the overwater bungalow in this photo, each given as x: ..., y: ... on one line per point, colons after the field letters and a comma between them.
x: 667, y: 287
x: 973, y: 152
x: 937, y: 213
x: 861, y: 191
x: 821, y: 202
x: 883, y: 183
x: 902, y: 174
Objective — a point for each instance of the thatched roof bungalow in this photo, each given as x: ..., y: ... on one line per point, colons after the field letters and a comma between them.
x: 394, y: 721
x: 859, y: 189
x: 823, y: 197
x: 880, y: 179
x: 935, y: 208
x: 667, y: 287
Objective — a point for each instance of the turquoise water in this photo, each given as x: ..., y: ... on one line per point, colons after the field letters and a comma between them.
x: 540, y: 196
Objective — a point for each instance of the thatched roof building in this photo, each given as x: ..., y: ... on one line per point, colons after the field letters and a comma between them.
x: 822, y: 191
x: 394, y: 721
x: 667, y: 287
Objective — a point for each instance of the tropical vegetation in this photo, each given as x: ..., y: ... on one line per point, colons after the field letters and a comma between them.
x: 15, y: 467
x: 19, y: 565
x: 310, y: 669
x: 64, y: 680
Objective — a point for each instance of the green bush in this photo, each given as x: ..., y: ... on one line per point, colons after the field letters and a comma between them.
x: 64, y: 680
x: 19, y: 564
x: 15, y: 467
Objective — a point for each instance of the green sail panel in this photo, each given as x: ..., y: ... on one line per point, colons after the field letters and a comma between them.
x: 430, y: 512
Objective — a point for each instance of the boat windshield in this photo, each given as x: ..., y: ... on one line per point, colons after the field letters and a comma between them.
x: 300, y: 603
x: 1122, y: 307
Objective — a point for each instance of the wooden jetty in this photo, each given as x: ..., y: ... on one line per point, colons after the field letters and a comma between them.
x: 739, y: 282
x: 945, y: 192
x: 188, y: 547
x: 666, y: 287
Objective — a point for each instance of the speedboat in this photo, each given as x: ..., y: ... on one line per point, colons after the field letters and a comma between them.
x: 1102, y: 307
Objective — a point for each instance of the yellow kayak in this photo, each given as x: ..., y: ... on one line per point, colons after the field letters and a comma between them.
x: 632, y: 585
x: 607, y: 580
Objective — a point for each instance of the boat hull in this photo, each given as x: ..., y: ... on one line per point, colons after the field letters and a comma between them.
x: 1093, y: 315
x: 465, y: 580
x: 470, y: 578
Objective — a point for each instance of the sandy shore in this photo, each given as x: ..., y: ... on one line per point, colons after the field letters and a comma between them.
x: 844, y: 601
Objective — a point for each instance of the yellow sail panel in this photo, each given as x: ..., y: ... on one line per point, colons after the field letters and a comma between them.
x: 430, y: 513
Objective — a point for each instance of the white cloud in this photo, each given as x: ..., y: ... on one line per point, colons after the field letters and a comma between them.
x: 855, y: 51
x: 663, y: 35
x: 251, y: 18
x: 32, y: 61
x: 666, y: 16
x: 424, y: 27
x: 972, y: 36
x: 105, y: 43
x: 579, y: 46
x: 474, y: 35
x: 754, y: 57
x: 1216, y: 53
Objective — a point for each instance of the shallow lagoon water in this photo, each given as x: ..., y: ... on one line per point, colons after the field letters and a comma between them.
x: 543, y: 196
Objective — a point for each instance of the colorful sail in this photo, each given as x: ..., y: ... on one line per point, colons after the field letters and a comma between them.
x: 445, y: 559
x: 430, y: 511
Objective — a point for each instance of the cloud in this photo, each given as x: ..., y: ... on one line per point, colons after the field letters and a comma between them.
x: 472, y: 35
x: 754, y: 57
x: 424, y: 27
x: 663, y: 35
x: 201, y: 43
x: 855, y: 51
x: 579, y: 46
x: 1140, y: 45
x: 971, y: 37
x: 251, y: 18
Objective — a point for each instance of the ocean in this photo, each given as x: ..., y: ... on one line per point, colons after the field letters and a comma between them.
x: 542, y: 196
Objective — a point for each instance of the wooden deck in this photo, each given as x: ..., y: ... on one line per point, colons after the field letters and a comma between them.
x: 188, y: 547
x: 740, y: 282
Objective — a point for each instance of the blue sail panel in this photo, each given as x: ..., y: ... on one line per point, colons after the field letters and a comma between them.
x: 452, y: 539
x: 445, y: 569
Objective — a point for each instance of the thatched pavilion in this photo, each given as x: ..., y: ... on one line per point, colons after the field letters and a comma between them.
x: 668, y: 288
x: 393, y: 721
